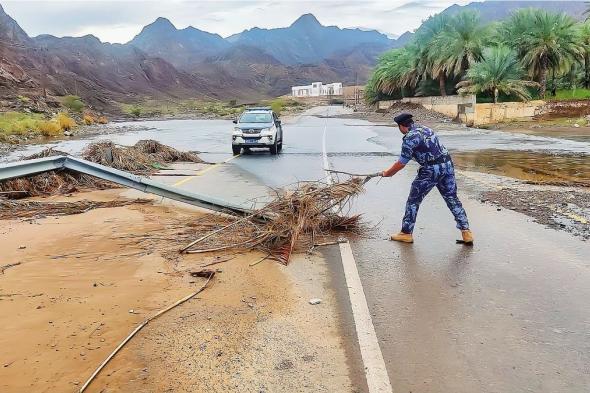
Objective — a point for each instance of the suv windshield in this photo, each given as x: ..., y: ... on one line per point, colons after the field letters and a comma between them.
x: 252, y: 117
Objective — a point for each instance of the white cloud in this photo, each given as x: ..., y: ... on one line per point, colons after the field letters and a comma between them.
x: 119, y: 21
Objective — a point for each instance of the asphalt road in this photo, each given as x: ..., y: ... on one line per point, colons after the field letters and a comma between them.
x: 507, y: 315
x: 510, y: 314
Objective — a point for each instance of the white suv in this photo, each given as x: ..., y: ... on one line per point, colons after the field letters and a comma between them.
x: 255, y: 128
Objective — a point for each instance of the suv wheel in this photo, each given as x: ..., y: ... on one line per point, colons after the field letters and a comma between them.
x: 280, y: 146
x: 236, y: 150
x: 274, y: 148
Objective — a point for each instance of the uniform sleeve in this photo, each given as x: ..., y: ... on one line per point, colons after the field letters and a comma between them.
x: 408, y: 145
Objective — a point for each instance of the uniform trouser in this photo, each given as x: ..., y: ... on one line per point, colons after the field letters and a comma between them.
x: 443, y: 177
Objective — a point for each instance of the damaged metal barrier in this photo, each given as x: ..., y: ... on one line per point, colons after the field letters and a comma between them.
x: 32, y: 167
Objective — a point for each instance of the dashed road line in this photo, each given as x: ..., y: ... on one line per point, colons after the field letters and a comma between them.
x: 375, y: 370
x: 202, y: 172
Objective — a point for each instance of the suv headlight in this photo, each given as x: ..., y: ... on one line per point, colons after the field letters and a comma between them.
x: 237, y: 131
x: 266, y: 131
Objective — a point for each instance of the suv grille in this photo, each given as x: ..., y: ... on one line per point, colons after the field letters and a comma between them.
x: 251, y: 131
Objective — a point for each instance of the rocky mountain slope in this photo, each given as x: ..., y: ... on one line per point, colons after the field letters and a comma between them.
x: 497, y: 10
x: 267, y: 61
x: 165, y: 62
x: 182, y: 47
x: 307, y: 41
x: 45, y: 67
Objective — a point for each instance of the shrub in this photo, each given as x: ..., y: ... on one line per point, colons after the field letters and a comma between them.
x: 23, y: 99
x: 65, y: 122
x: 18, y: 123
x: 89, y: 119
x: 102, y: 120
x: 135, y: 111
x: 277, y: 106
x: 48, y: 127
x: 73, y: 103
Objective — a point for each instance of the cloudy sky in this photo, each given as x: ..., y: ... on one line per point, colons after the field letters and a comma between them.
x: 119, y: 21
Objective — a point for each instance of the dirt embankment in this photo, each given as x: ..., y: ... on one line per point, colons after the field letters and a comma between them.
x: 421, y: 114
x: 73, y: 287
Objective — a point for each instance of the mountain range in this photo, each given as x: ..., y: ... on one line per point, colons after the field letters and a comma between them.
x: 164, y: 62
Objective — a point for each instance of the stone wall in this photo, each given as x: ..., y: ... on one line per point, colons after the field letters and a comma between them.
x: 451, y: 106
x: 464, y: 109
x: 505, y: 111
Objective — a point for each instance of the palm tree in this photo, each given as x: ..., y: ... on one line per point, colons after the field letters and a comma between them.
x: 584, y: 32
x: 544, y: 40
x: 460, y: 44
x: 425, y: 36
x: 499, y: 71
x: 397, y: 70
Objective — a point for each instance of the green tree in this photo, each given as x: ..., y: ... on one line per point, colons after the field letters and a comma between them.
x: 460, y: 44
x: 498, y: 72
x: 543, y: 40
x: 584, y: 32
x: 397, y: 70
x: 73, y: 103
x: 428, y: 63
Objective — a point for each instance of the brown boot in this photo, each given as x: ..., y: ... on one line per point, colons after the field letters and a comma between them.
x: 403, y: 237
x: 467, y: 236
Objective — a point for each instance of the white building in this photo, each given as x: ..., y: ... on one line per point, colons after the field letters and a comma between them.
x: 317, y: 89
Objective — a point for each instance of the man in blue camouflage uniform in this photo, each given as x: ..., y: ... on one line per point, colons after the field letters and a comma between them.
x: 436, y: 169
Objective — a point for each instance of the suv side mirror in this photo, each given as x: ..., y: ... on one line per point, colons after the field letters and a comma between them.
x: 278, y: 122
x: 235, y: 121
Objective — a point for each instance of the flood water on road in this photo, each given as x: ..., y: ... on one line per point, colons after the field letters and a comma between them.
x: 525, y: 156
x: 535, y: 167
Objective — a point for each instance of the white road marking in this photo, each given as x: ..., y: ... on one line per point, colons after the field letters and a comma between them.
x: 375, y: 370
x: 325, y: 155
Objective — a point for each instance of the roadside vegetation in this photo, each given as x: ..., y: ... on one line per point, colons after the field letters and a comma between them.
x: 73, y: 103
x: 573, y: 94
x: 19, y: 124
x: 532, y: 54
x: 159, y: 108
x: 16, y: 126
x: 213, y: 109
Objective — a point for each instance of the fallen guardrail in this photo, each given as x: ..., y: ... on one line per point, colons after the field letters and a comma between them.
x: 32, y: 167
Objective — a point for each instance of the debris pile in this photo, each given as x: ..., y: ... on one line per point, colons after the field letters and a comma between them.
x: 300, y: 217
x: 50, y: 152
x: 162, y: 153
x: 10, y: 210
x: 144, y: 158
x: 51, y: 183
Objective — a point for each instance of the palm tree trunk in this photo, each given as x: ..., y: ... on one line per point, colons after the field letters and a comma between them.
x: 587, y: 70
x: 442, y: 84
x: 496, y: 94
x: 543, y: 76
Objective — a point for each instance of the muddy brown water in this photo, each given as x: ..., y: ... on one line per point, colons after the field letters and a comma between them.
x: 537, y: 167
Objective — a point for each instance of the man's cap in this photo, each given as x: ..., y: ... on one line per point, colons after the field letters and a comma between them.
x: 403, y: 118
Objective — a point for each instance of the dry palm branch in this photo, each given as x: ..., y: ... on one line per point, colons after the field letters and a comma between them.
x: 296, y: 218
x: 144, y: 158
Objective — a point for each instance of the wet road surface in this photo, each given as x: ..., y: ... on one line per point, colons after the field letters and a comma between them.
x: 509, y: 314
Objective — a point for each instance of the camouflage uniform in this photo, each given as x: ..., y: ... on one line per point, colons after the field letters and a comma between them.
x: 436, y: 169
